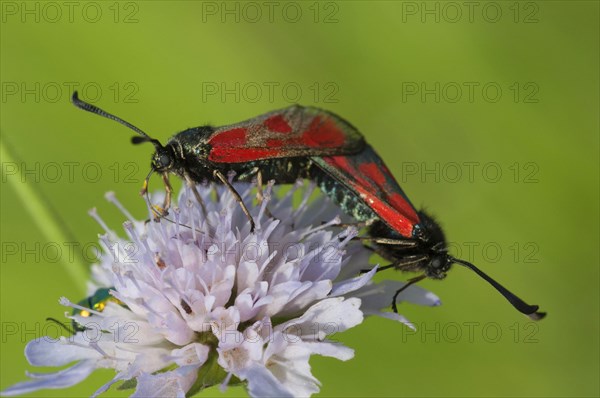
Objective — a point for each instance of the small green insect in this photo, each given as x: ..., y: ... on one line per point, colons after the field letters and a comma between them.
x: 96, y: 302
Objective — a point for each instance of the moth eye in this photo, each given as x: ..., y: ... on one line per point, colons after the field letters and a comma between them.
x: 164, y: 160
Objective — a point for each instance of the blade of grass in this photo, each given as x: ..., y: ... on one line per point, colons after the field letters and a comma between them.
x: 47, y: 222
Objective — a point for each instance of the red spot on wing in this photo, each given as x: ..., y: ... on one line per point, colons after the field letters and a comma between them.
x: 229, y: 138
x: 373, y: 171
x: 339, y: 161
x: 278, y: 124
x: 240, y: 155
x: 275, y: 143
x: 342, y: 163
x: 323, y: 134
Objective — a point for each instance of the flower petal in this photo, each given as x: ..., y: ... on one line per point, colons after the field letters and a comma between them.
x: 333, y: 350
x: 174, y: 383
x: 46, y: 351
x: 192, y: 354
x: 262, y: 383
x: 325, y: 317
x: 106, y: 386
x: 394, y: 317
x: 350, y: 285
x: 290, y: 366
x: 63, y: 379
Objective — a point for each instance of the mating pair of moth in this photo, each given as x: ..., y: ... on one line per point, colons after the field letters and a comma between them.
x: 310, y: 143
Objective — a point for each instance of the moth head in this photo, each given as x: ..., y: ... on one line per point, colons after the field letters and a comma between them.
x: 438, y: 265
x: 163, y: 159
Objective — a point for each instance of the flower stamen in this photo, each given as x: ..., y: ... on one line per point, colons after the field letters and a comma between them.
x: 112, y: 198
x: 67, y: 303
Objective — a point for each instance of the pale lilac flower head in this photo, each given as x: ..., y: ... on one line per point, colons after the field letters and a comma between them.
x: 200, y: 300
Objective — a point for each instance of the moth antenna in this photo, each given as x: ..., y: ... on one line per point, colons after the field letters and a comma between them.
x: 94, y: 109
x: 530, y: 310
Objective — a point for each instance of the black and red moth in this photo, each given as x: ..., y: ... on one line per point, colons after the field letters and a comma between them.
x: 305, y: 142
x: 412, y: 240
x: 276, y: 146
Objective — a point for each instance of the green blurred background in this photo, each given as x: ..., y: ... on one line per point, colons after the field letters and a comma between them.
x: 439, y: 89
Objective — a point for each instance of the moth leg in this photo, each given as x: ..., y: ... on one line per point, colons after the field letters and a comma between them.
x: 199, y: 199
x: 406, y: 261
x: 248, y: 174
x: 237, y: 196
x: 411, y: 281
x: 357, y: 225
x: 259, y: 192
x: 385, y: 241
x: 255, y: 171
x: 144, y: 192
x: 259, y: 186
x: 164, y: 210
x: 402, y: 244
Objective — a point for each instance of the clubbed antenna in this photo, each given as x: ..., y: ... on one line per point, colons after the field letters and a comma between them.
x: 94, y: 109
x: 530, y: 310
